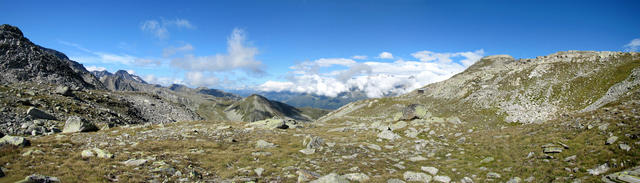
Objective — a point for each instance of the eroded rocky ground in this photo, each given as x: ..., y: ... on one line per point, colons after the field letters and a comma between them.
x: 574, y: 148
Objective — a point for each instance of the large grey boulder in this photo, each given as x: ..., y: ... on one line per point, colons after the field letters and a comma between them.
x: 37, y: 178
x: 14, y: 140
x: 388, y: 134
x: 331, y: 178
x: 359, y: 177
x: 38, y: 114
x: 77, y: 124
x: 410, y: 176
x: 64, y: 91
x: 261, y: 144
x: 414, y: 111
x: 271, y: 123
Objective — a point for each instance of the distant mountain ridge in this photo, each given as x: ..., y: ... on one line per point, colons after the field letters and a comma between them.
x: 256, y: 107
x: 307, y: 99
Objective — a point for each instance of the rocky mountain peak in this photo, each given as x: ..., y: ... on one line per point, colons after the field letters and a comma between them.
x: 22, y: 60
x: 9, y: 30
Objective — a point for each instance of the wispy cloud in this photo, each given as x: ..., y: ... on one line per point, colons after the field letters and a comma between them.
x: 167, y: 52
x: 376, y: 79
x: 385, y: 55
x: 359, y: 57
x: 160, y: 28
x: 108, y: 58
x: 634, y: 45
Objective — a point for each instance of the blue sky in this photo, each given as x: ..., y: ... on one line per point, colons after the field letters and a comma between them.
x: 309, y: 46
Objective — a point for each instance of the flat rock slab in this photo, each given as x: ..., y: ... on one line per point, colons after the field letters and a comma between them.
x: 38, y: 114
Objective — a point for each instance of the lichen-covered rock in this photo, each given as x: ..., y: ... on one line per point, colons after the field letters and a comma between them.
x: 261, y: 144
x: 414, y: 111
x: 360, y: 177
x: 388, y: 134
x: 331, y: 178
x: 14, y: 140
x: 64, y: 91
x: 37, y: 178
x: 77, y: 124
x: 416, y: 177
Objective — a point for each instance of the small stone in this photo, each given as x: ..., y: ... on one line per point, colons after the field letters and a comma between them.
x: 429, y: 169
x: 395, y: 181
x: 565, y: 146
x: 624, y: 147
x: 570, y: 158
x: 599, y: 169
x: 259, y: 171
x: 308, y: 151
x: 360, y: 177
x: 487, y: 160
x: 611, y: 140
x: 444, y: 179
x: 87, y: 153
x: 398, y: 125
x: 416, y: 177
x: 417, y: 158
x: 493, y: 175
x: 530, y: 155
x: 552, y: 150
x: 515, y: 180
x: 374, y: 147
x: 135, y: 162
x: 603, y: 127
x: 306, y: 175
x: 461, y: 140
x: 102, y: 153
x: 31, y: 152
x: 466, y: 180
x: 530, y: 179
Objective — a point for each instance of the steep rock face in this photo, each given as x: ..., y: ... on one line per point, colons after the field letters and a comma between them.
x: 520, y: 90
x: 256, y: 107
x: 22, y: 60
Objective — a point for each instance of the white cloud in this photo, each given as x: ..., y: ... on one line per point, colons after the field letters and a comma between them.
x: 428, y: 56
x: 94, y: 68
x: 385, y: 55
x: 167, y: 52
x: 165, y: 81
x: 238, y: 56
x: 634, y: 45
x: 159, y: 28
x: 359, y: 57
x: 376, y: 79
x: 200, y: 79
